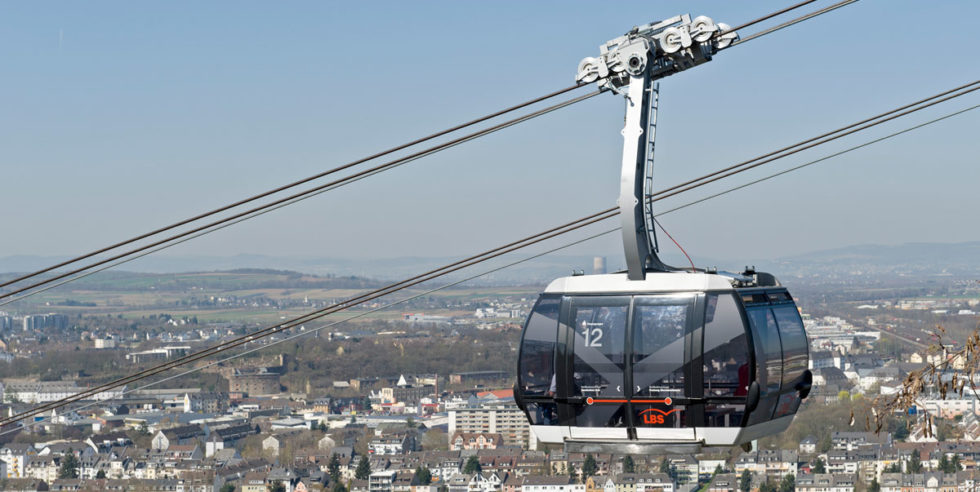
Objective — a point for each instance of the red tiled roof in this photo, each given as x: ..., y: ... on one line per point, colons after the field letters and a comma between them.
x: 501, y: 393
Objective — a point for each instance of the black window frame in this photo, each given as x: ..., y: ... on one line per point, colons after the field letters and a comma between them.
x: 523, y: 400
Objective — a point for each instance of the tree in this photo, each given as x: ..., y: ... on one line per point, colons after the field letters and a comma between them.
x: 901, y: 432
x: 819, y: 466
x: 101, y: 474
x: 338, y: 487
x: 628, y: 465
x: 472, y: 465
x: 944, y: 430
x: 947, y: 465
x: 745, y: 481
x: 277, y: 487
x: 825, y: 443
x: 69, y: 466
x: 874, y: 486
x: 589, y: 468
x: 915, y: 462
x: 363, y: 470
x: 228, y: 487
x: 788, y: 483
x: 893, y: 468
x: 322, y: 427
x: 767, y: 486
x: 333, y: 467
x: 423, y: 475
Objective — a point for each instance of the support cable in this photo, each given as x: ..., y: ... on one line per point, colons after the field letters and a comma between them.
x: 831, y: 135
x: 674, y: 190
x: 526, y: 259
x: 337, y: 169
x: 513, y: 246
x: 312, y: 191
x: 764, y: 18
x: 194, y: 233
x: 293, y: 184
x: 791, y: 22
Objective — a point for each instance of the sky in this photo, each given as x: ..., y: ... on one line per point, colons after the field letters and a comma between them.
x: 119, y: 117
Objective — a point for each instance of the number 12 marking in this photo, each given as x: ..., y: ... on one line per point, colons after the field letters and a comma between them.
x: 593, y: 336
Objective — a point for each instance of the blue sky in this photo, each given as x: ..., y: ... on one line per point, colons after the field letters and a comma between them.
x: 119, y: 117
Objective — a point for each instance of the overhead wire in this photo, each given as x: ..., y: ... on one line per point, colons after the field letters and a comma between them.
x: 757, y: 162
x: 435, y: 273
x: 331, y: 324
x: 312, y: 191
x: 293, y: 184
x: 791, y: 22
x: 458, y: 265
x: 523, y: 260
x: 822, y: 159
x: 765, y: 17
x: 333, y: 185
x: 830, y: 135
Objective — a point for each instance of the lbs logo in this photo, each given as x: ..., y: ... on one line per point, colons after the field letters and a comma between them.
x: 655, y: 416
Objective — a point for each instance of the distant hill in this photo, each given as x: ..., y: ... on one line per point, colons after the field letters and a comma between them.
x: 908, y: 258
x: 239, y: 279
x: 919, y: 258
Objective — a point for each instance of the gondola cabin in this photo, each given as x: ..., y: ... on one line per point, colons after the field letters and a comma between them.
x: 673, y: 362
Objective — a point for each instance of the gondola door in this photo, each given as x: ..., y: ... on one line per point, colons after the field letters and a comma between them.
x: 663, y: 389
x: 595, y: 390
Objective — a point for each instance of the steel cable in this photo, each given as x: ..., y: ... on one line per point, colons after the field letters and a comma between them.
x: 233, y: 219
x: 523, y: 260
x: 472, y: 260
x: 310, y: 192
x: 293, y: 184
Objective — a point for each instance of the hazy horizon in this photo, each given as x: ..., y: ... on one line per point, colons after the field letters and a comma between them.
x: 120, y: 120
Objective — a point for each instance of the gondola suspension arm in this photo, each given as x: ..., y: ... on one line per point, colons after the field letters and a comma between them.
x: 634, y: 62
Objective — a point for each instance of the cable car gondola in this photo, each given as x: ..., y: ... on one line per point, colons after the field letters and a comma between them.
x: 675, y: 361
x: 657, y: 358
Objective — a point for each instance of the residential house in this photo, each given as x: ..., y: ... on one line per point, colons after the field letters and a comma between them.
x: 808, y: 445
x: 825, y: 482
x: 475, y: 440
x: 15, y: 455
x: 484, y: 482
x: 541, y: 483
x: 177, y: 435
x: 399, y: 443
x: 724, y: 482
x: 381, y: 481
x: 254, y: 482
x: 43, y: 467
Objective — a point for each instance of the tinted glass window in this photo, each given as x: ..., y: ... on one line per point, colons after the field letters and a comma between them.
x: 537, y: 364
x: 658, y: 346
x: 769, y: 357
x: 726, y: 348
x: 660, y: 326
x: 599, y: 326
x: 794, y: 357
x: 794, y: 343
x: 726, y: 360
